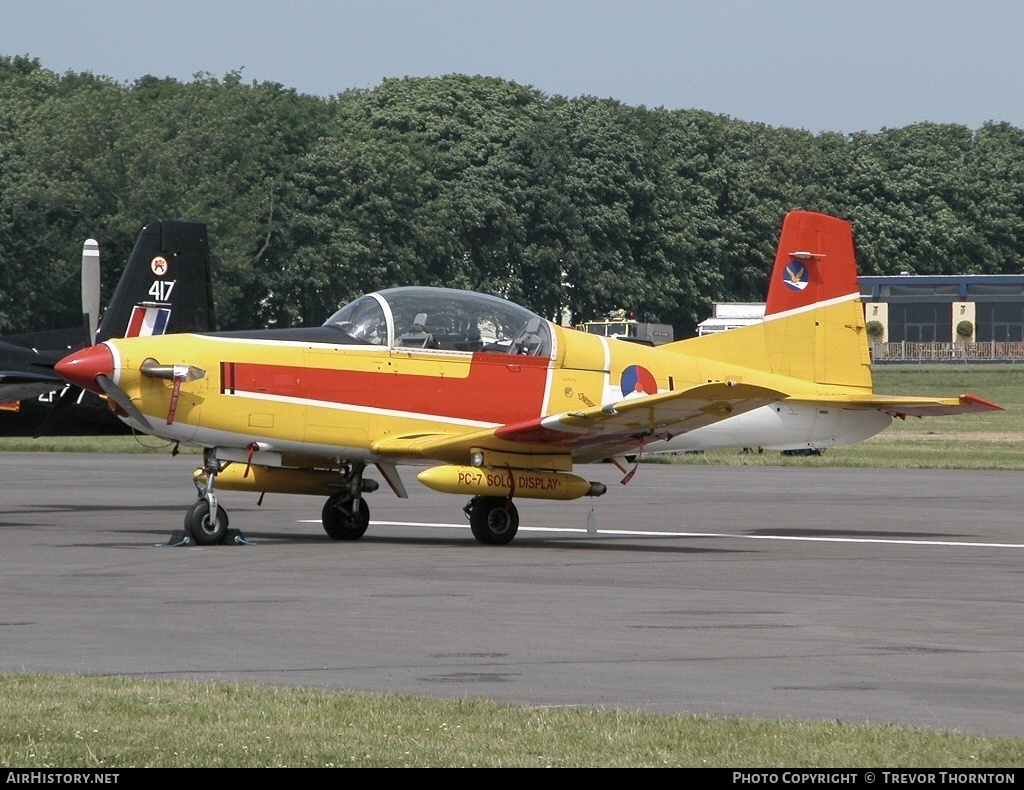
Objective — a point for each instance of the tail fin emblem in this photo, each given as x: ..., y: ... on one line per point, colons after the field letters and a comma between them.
x: 159, y: 265
x: 795, y: 276
x: 148, y: 321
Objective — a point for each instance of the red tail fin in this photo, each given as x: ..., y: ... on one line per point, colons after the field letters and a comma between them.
x: 814, y: 263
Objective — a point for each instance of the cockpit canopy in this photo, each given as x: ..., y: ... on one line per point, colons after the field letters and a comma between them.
x: 444, y: 319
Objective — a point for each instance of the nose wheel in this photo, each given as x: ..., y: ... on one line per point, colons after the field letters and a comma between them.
x: 206, y: 531
x: 206, y: 521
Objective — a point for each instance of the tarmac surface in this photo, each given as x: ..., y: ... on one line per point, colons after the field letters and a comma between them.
x: 859, y: 595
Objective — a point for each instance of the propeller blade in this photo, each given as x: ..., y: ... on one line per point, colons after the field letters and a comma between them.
x: 58, y: 410
x: 91, y: 289
x: 120, y: 397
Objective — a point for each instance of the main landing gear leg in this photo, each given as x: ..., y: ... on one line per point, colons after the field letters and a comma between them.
x: 346, y: 514
x: 207, y: 530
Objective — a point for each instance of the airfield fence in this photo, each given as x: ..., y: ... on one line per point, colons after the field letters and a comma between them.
x: 947, y: 352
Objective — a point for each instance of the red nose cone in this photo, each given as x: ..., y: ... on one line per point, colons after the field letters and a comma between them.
x: 84, y: 366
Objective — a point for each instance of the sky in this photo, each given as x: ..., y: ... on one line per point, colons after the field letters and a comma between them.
x: 820, y: 65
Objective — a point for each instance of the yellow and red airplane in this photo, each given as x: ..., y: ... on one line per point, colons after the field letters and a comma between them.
x: 497, y: 402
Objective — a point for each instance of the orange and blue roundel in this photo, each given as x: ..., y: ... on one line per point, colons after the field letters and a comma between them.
x: 637, y: 379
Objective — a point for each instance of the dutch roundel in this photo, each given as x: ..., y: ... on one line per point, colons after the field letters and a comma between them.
x: 637, y: 381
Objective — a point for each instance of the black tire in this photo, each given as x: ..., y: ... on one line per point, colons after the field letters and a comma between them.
x: 494, y: 520
x: 340, y: 522
x: 204, y: 530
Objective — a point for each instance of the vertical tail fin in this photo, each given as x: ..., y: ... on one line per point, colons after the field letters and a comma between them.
x: 814, y: 322
x: 814, y: 263
x: 165, y: 287
x: 813, y: 327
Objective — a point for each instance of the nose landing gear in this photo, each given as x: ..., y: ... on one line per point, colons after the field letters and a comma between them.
x: 203, y: 529
x: 346, y: 515
x: 206, y: 522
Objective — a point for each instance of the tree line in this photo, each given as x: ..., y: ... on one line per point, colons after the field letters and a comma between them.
x: 571, y: 206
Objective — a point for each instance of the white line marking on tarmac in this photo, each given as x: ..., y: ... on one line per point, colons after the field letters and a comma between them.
x: 635, y: 533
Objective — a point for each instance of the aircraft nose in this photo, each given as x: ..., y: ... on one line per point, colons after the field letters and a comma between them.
x: 82, y: 367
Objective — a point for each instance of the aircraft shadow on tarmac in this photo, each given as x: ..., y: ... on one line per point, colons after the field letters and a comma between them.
x: 862, y: 534
x: 584, y: 542
x: 71, y: 508
x: 590, y: 542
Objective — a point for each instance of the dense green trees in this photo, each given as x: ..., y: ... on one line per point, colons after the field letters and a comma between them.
x: 572, y: 207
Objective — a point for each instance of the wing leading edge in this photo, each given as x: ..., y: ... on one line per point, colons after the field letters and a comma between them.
x: 595, y: 433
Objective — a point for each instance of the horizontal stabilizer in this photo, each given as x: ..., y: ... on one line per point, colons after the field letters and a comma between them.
x: 20, y: 385
x: 907, y: 406
x: 933, y: 407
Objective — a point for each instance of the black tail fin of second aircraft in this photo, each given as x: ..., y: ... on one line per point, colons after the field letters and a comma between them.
x: 166, y: 286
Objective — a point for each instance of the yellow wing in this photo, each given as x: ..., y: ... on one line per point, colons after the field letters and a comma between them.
x: 591, y: 434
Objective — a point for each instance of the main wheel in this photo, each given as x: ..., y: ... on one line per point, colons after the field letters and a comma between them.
x: 494, y: 520
x: 204, y: 530
x: 340, y: 522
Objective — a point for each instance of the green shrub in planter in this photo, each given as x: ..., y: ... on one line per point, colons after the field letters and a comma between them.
x: 875, y: 329
x: 964, y: 329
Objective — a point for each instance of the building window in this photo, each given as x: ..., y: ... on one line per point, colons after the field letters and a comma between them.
x: 918, y: 289
x: 921, y: 322
x: 999, y: 321
x: 994, y: 290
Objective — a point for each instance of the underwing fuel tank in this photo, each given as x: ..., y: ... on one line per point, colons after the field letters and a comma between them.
x: 505, y: 482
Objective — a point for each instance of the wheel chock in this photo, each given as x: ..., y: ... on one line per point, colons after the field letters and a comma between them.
x: 179, y: 538
x: 182, y: 538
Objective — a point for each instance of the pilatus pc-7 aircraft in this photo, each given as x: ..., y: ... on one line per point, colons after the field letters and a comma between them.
x: 495, y: 401
x: 165, y: 287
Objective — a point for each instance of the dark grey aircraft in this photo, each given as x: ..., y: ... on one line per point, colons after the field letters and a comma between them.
x: 165, y: 288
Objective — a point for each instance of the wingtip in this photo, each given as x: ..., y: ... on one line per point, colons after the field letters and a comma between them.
x: 986, y: 405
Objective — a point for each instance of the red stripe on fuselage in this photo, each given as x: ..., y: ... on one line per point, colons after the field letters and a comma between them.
x: 498, y: 389
x: 227, y: 377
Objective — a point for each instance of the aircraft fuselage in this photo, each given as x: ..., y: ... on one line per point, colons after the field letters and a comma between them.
x: 339, y: 400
